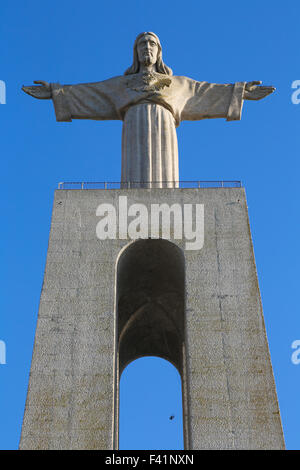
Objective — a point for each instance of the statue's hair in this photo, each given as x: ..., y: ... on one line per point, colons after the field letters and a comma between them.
x: 160, y: 66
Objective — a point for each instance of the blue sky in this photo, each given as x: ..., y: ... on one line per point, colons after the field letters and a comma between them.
x: 221, y: 42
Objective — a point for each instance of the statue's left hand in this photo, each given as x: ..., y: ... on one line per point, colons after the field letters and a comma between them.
x: 254, y: 91
x: 42, y: 92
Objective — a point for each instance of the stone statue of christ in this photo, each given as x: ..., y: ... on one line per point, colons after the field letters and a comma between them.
x: 151, y: 102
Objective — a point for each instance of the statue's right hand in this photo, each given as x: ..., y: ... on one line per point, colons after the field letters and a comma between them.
x: 42, y: 82
x: 42, y: 92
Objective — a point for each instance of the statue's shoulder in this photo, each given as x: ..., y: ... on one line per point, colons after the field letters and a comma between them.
x: 114, y: 85
x: 113, y: 81
x: 117, y: 79
x: 183, y: 79
x: 187, y: 83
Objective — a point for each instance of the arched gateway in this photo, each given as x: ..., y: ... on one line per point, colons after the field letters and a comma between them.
x: 150, y: 298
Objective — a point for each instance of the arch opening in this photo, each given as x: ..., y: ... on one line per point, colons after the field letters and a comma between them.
x: 150, y: 416
x: 150, y: 321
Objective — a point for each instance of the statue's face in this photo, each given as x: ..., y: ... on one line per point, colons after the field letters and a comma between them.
x: 147, y: 49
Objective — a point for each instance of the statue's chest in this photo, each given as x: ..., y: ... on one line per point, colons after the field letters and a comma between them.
x: 148, y: 82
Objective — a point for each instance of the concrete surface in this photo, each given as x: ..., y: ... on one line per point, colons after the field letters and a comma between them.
x: 107, y: 302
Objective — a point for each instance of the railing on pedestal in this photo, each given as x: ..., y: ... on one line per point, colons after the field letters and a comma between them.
x: 148, y: 184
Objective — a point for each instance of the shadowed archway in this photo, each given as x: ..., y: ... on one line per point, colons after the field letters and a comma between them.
x: 150, y: 307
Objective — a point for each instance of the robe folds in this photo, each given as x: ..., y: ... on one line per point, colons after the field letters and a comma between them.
x: 151, y: 106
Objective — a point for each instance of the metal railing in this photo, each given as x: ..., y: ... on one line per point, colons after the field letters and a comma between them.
x: 148, y: 184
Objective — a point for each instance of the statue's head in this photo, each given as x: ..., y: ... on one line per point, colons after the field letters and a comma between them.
x: 147, y: 50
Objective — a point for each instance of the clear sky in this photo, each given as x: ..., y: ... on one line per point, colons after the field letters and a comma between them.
x: 223, y: 42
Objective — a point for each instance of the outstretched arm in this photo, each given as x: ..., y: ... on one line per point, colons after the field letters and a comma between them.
x: 82, y: 101
x: 212, y: 100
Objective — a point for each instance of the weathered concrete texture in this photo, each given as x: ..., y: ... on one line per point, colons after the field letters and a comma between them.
x: 229, y: 392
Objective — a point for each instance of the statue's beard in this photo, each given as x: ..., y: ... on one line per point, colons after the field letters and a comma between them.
x: 147, y: 60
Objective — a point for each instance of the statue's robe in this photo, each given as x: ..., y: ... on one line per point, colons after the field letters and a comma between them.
x: 150, y: 106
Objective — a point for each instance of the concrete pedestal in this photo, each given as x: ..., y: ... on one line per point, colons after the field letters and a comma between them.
x: 204, y: 303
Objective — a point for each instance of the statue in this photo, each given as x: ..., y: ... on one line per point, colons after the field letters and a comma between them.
x: 151, y: 102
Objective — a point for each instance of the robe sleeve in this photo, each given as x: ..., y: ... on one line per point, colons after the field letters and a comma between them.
x: 212, y: 100
x: 84, y: 101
